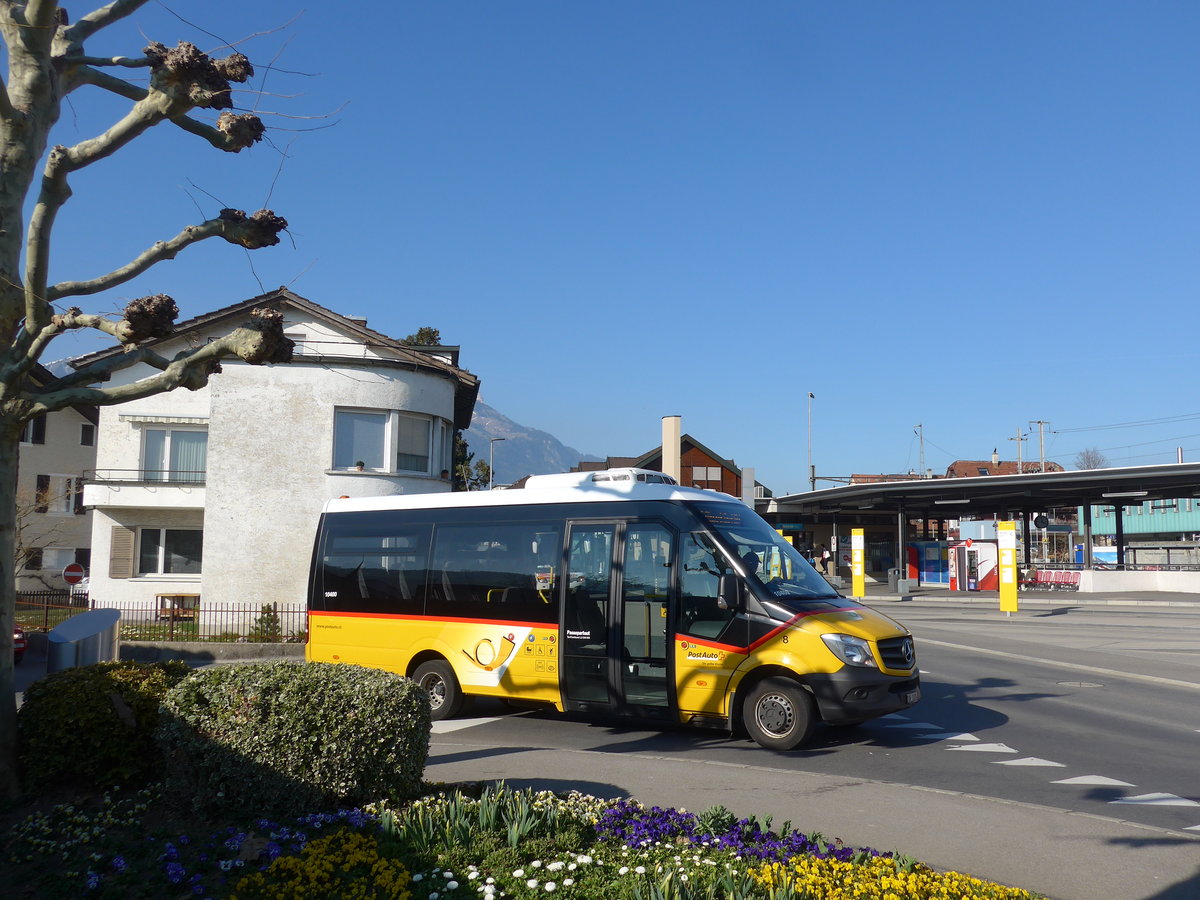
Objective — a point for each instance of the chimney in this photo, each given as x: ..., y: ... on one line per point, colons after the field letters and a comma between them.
x: 671, y: 433
x: 995, y: 457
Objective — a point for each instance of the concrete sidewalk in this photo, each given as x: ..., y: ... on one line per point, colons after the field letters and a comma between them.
x: 1063, y: 854
x: 879, y: 591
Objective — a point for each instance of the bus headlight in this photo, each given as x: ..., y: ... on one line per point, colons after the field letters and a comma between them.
x: 850, y: 650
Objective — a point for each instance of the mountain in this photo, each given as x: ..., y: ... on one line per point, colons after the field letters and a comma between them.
x: 525, y: 451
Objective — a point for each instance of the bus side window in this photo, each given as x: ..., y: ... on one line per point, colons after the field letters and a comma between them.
x: 369, y: 568
x: 490, y: 571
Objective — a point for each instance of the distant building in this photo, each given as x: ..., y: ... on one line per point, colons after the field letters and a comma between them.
x: 699, y: 467
x: 54, y: 529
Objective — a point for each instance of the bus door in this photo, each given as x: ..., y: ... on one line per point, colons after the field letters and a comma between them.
x: 614, y: 647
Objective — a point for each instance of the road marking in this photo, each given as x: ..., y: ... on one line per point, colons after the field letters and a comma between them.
x: 950, y: 736
x: 1095, y: 780
x: 1157, y: 800
x: 1095, y: 670
x: 986, y: 748
x: 448, y: 725
x: 1192, y: 828
x: 1027, y: 761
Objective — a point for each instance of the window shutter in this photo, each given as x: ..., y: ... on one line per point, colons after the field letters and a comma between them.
x: 39, y: 429
x: 79, y: 510
x: 41, y: 502
x: 120, y: 559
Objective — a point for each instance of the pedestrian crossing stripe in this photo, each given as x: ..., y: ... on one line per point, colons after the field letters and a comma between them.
x: 986, y: 748
x: 1098, y: 780
x: 1028, y: 761
x: 1157, y: 800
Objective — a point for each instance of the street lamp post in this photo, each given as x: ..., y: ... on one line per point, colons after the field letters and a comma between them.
x: 812, y: 472
x: 491, y: 447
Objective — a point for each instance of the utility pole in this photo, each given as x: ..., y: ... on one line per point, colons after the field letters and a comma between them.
x: 1020, y: 439
x: 921, y: 434
x: 1041, y: 441
x: 812, y: 470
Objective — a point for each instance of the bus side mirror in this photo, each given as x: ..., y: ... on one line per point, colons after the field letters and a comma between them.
x: 729, y: 592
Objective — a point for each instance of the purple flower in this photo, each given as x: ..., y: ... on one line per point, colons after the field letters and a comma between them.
x: 118, y: 863
x: 175, y: 872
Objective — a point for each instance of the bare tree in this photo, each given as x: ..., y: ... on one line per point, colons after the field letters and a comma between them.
x: 47, y: 62
x: 1091, y: 458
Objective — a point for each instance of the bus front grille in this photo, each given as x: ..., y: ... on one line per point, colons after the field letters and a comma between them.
x: 898, y: 653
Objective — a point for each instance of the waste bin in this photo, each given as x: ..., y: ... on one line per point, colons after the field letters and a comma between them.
x: 82, y: 640
x: 894, y: 580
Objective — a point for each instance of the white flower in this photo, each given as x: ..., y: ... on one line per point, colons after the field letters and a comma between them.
x: 451, y: 885
x: 520, y: 873
x: 531, y: 882
x: 418, y: 877
x: 567, y: 882
x: 550, y: 886
x: 434, y: 895
x: 641, y: 870
x: 554, y: 866
x: 537, y: 863
x: 623, y: 870
x: 472, y: 876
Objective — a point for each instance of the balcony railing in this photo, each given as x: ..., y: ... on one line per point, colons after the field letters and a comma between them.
x: 144, y: 476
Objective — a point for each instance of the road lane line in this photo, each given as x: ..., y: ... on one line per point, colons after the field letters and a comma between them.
x: 1078, y: 667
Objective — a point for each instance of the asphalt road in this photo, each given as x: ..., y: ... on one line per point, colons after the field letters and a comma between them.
x: 1057, y: 749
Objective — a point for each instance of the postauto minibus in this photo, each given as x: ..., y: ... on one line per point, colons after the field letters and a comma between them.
x: 605, y: 593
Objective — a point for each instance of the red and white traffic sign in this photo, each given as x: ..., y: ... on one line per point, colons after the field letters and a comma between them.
x: 73, y: 574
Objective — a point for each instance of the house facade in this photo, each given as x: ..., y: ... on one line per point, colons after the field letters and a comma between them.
x: 54, y: 528
x: 215, y: 494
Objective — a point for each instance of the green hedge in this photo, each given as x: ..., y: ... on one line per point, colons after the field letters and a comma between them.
x: 94, y: 725
x: 285, y: 738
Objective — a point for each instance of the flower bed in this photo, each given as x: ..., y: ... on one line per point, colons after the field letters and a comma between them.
x: 482, y: 843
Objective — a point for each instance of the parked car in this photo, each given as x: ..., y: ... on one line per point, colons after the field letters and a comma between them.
x: 19, y: 643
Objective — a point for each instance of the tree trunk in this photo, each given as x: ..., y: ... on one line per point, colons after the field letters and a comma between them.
x: 9, y: 444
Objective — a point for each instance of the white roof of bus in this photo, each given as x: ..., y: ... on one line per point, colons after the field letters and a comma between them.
x: 571, y: 487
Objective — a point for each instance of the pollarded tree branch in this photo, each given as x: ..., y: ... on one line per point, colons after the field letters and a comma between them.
x: 182, y: 78
x: 259, y: 230
x: 232, y: 132
x: 260, y: 341
x: 76, y: 34
x: 125, y: 62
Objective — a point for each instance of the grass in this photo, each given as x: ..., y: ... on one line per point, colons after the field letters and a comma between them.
x: 465, y: 841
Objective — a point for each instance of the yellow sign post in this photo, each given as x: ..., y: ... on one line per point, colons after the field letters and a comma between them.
x: 858, y: 578
x: 1006, y: 535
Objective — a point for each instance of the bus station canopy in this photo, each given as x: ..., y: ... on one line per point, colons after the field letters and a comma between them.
x: 985, y: 496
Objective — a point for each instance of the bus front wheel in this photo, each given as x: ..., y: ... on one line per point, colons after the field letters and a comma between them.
x: 779, y: 714
x: 437, y: 679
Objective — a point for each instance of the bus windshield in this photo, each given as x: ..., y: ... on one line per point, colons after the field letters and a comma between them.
x: 768, y: 560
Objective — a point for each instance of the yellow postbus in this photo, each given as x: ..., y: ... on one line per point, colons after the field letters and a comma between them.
x: 607, y: 593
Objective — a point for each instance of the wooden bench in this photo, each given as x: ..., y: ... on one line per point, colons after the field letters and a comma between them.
x: 178, y: 606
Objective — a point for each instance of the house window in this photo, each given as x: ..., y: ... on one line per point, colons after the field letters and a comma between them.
x: 33, y: 559
x: 391, y: 441
x: 59, y: 494
x: 359, y: 437
x: 412, y: 444
x: 34, y: 431
x: 170, y: 551
x: 87, y: 435
x: 55, y: 559
x: 174, y: 454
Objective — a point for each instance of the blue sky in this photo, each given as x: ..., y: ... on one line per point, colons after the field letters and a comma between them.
x: 964, y: 215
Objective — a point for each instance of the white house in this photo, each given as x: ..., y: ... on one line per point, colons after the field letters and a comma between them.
x: 54, y: 529
x: 216, y: 492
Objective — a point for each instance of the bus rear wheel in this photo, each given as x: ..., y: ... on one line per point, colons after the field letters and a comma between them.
x: 779, y: 714
x: 437, y: 679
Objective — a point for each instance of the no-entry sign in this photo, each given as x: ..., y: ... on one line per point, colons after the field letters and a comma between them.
x: 73, y: 574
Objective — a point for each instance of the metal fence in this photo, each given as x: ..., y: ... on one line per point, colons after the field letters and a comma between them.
x: 151, y: 621
x: 43, y: 610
